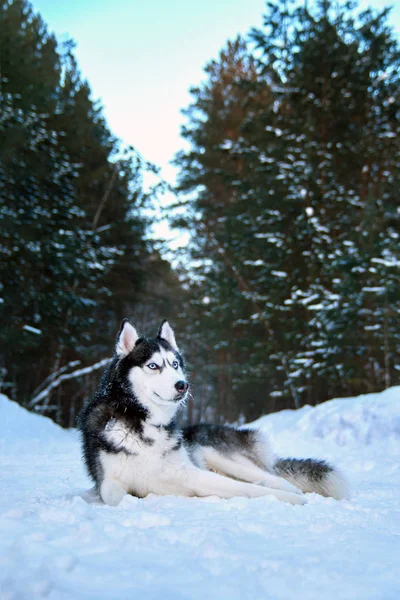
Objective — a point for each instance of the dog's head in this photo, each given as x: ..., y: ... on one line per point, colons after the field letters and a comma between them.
x: 153, y: 366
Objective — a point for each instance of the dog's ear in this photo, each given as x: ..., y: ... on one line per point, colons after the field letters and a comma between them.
x: 126, y: 339
x: 166, y: 333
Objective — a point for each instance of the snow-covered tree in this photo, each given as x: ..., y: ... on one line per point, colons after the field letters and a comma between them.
x: 73, y: 249
x: 295, y: 213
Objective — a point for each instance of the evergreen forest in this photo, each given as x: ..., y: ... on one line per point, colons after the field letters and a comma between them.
x: 287, y: 292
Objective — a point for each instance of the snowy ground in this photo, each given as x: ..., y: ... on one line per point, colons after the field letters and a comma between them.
x: 58, y: 541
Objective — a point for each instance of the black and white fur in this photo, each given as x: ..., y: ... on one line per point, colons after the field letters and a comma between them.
x: 132, y: 444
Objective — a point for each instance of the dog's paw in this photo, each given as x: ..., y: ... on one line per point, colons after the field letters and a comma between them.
x: 278, y: 483
x: 111, y: 492
x: 290, y: 498
x: 289, y: 487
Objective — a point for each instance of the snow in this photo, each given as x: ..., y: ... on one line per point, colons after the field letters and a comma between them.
x: 19, y: 427
x: 58, y: 541
x: 58, y: 380
x: 378, y: 290
x: 387, y: 263
x: 263, y: 158
x: 32, y: 329
x: 255, y: 263
x: 281, y: 274
x: 226, y: 145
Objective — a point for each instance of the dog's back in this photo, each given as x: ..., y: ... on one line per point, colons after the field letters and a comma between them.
x: 231, y: 451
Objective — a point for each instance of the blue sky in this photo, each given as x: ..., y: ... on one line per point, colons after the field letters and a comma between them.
x: 141, y: 57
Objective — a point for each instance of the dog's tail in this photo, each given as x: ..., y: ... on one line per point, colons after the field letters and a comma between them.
x: 311, y: 475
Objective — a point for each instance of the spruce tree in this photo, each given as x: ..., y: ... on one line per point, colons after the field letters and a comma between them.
x: 72, y: 244
x: 304, y: 248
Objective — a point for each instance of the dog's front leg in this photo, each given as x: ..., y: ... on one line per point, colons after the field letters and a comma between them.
x: 111, y: 492
x: 198, y: 482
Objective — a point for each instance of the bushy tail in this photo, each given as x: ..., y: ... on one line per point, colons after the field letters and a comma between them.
x: 310, y: 475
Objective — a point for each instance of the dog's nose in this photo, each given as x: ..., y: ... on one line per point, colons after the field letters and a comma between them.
x: 181, y: 386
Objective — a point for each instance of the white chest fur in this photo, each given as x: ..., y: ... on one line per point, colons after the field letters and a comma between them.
x: 143, y: 462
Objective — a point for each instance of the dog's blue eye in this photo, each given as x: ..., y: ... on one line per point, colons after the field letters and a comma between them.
x: 175, y: 364
x: 152, y: 366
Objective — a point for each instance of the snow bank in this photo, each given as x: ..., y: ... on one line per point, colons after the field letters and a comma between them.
x: 363, y: 420
x: 18, y: 425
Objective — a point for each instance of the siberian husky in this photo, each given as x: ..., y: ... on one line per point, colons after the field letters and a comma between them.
x: 132, y: 444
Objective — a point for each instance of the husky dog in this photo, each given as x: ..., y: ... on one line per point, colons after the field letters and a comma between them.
x: 132, y: 444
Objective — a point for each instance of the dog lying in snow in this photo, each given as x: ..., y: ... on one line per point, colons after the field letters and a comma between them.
x: 132, y: 444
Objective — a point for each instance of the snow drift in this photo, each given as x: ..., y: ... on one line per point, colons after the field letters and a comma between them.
x: 18, y: 424
x: 365, y: 419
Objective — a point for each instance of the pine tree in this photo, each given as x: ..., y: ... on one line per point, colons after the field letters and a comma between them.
x: 218, y: 175
x: 72, y: 244
x: 109, y: 191
x: 298, y: 237
x: 338, y: 81
x: 43, y: 232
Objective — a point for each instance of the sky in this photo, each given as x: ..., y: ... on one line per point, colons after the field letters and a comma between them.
x: 141, y: 58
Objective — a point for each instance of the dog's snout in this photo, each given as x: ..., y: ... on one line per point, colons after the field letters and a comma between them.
x: 181, y: 386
